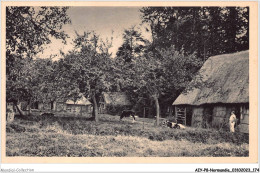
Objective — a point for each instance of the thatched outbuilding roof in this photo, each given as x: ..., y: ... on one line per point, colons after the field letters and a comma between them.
x: 116, y: 98
x: 81, y: 101
x: 224, y: 79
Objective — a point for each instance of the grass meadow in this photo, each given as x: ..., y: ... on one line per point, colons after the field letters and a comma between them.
x: 81, y: 137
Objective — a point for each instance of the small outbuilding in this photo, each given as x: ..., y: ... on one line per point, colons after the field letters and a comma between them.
x: 64, y: 106
x: 79, y: 106
x: 113, y: 101
x: 221, y: 86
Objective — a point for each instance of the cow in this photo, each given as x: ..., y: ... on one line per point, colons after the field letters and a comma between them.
x: 173, y: 125
x: 127, y: 113
x: 170, y: 124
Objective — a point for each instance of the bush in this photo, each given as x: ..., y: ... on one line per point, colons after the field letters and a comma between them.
x: 32, y: 117
x: 9, y: 129
x: 15, y: 128
x: 47, y: 115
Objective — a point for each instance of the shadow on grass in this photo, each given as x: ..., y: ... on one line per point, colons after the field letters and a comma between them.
x: 38, y: 118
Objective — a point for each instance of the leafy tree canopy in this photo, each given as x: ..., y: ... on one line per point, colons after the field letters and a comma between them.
x: 27, y: 30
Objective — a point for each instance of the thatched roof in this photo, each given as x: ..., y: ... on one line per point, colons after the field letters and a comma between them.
x: 225, y: 79
x: 81, y: 101
x: 116, y: 98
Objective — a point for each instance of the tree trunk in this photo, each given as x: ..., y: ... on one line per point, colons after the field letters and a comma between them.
x: 18, y: 109
x: 95, y: 108
x: 157, y: 107
x: 30, y: 105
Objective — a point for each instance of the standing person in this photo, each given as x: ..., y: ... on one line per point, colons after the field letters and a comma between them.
x: 232, y: 121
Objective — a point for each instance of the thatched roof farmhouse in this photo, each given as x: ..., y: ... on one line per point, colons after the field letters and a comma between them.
x: 223, y: 87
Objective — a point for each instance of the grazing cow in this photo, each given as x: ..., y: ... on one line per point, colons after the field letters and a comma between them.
x: 170, y: 124
x: 127, y: 113
x: 173, y: 125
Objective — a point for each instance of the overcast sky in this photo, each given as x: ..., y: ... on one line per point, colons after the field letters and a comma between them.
x: 102, y: 20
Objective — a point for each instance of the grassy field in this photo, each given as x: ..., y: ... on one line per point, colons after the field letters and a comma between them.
x: 80, y: 137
